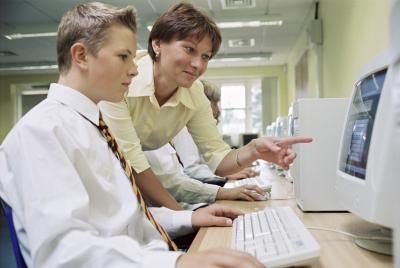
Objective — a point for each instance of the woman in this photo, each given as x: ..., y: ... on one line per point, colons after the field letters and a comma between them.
x: 181, y: 171
x: 166, y: 96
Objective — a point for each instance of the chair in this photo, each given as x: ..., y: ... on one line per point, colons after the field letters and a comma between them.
x: 14, y: 240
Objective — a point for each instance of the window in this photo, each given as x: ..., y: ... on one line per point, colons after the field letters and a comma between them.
x: 233, y: 108
x: 241, y: 107
x: 26, y: 97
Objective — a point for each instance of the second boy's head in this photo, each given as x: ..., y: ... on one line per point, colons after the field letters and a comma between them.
x: 96, y: 45
x: 213, y: 94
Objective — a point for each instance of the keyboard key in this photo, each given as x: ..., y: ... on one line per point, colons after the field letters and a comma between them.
x: 263, y: 223
x: 248, y: 228
x: 256, y: 225
x: 240, y: 245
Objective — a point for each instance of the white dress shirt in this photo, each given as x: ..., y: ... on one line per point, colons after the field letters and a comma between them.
x: 73, y: 205
x: 193, y: 164
x: 168, y: 170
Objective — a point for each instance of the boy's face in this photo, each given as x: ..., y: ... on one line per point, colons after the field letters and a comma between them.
x: 110, y: 72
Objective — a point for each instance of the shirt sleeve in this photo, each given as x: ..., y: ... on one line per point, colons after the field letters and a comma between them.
x: 189, y: 155
x: 118, y: 119
x: 176, y: 223
x: 165, y: 165
x: 55, y: 208
x: 203, y: 128
x: 186, y: 148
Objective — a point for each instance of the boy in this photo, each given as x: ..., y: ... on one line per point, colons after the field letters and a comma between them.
x: 73, y: 204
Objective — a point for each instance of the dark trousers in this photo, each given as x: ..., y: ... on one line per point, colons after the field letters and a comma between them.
x: 184, y: 242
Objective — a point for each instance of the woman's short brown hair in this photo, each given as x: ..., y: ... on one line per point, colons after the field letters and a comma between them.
x: 181, y: 21
x: 88, y: 23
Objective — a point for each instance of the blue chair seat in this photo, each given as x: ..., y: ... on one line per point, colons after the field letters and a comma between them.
x: 14, y: 239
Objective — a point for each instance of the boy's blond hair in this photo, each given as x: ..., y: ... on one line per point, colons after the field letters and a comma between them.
x: 88, y: 23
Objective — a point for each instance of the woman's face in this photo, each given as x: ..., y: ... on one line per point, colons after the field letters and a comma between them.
x: 181, y: 62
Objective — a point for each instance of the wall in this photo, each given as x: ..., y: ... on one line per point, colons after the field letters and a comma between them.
x: 302, y: 45
x: 353, y: 33
x: 6, y: 105
x: 270, y: 100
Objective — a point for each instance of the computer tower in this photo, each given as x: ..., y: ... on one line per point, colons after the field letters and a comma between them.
x: 314, y: 170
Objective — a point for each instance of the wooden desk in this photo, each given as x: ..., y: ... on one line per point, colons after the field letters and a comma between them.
x: 337, y: 250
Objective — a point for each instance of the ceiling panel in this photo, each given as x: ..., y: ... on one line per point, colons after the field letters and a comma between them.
x: 53, y: 9
x: 27, y: 16
x: 18, y: 13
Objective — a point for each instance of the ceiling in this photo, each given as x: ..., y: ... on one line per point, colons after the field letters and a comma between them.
x: 272, y: 43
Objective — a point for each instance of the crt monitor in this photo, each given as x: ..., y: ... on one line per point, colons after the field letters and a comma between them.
x: 364, y: 158
x: 270, y: 130
x: 290, y: 122
x: 245, y: 138
x: 281, y: 124
x: 392, y: 142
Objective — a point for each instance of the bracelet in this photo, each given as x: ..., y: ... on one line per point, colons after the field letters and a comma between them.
x: 237, y: 158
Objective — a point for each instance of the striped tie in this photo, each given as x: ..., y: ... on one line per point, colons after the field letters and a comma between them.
x: 128, y: 170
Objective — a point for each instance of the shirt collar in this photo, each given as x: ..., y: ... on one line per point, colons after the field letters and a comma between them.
x: 143, y: 84
x: 183, y: 96
x: 75, y: 100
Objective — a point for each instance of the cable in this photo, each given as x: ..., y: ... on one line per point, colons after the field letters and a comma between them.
x: 350, y: 234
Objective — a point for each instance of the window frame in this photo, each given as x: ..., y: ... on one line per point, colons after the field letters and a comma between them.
x: 249, y: 84
x: 20, y: 90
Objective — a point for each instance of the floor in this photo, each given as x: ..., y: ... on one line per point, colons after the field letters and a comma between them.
x: 6, y: 253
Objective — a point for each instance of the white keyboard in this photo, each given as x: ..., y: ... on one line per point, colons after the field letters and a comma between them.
x: 264, y: 184
x: 275, y: 236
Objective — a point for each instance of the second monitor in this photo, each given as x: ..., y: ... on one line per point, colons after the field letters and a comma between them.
x: 245, y: 138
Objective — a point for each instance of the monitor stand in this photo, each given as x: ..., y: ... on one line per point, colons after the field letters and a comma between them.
x: 382, y: 246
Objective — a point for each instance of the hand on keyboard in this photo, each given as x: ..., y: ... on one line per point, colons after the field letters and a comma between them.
x: 214, y: 215
x: 244, y: 173
x: 218, y: 258
x: 245, y: 192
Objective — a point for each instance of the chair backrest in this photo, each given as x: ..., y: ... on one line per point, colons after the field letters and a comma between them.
x: 7, y: 211
x: 14, y: 239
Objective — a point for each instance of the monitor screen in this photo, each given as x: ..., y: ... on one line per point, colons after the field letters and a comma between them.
x: 247, y: 137
x: 360, y: 123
